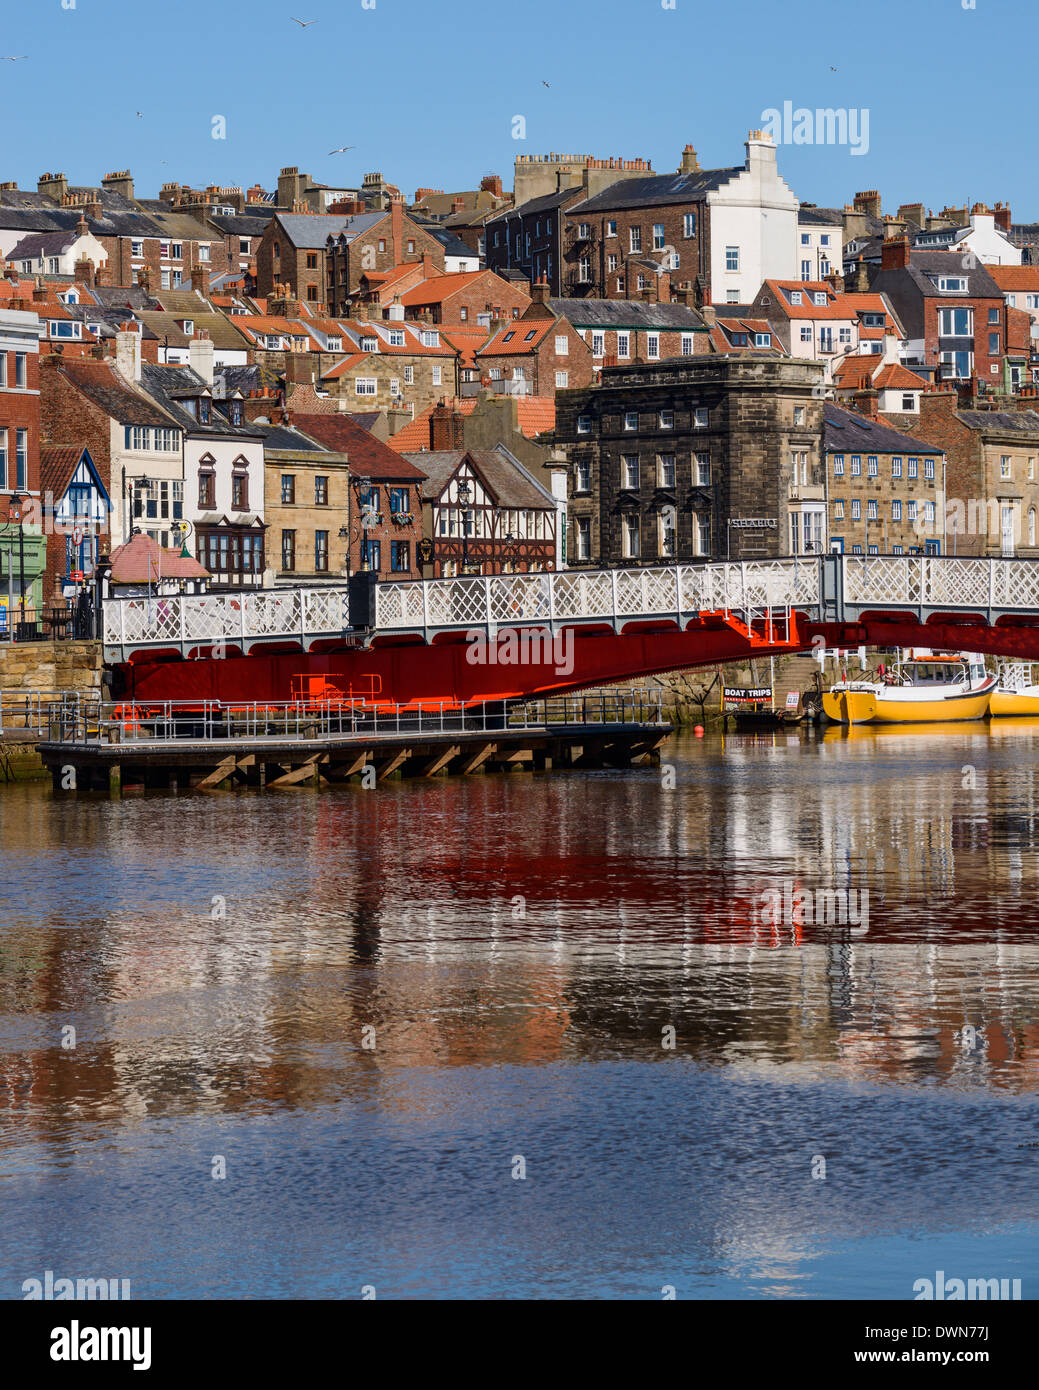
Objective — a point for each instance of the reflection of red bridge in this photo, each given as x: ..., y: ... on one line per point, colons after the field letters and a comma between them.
x: 500, y: 637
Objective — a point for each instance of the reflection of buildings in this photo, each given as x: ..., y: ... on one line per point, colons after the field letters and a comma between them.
x: 397, y: 908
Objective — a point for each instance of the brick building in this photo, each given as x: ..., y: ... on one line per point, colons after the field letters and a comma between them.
x: 385, y: 514
x: 663, y: 456
x: 22, y: 546
x: 536, y: 356
x: 952, y: 311
x: 474, y: 297
x: 372, y: 243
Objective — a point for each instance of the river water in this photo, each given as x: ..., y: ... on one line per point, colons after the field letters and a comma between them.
x: 532, y: 1035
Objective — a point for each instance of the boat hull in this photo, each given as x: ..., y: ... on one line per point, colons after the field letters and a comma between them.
x: 1007, y: 702
x: 895, y: 705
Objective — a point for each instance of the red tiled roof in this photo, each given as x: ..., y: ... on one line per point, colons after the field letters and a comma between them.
x: 534, y: 414
x: 143, y: 561
x: 368, y: 456
x: 894, y: 376
x: 1015, y: 277
x: 512, y: 340
x: 58, y: 462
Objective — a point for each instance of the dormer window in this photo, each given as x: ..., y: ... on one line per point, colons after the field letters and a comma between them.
x: 396, y: 336
x: 795, y: 297
x: 369, y: 345
x: 203, y: 410
x: 334, y: 344
x: 430, y: 338
x: 234, y: 412
x: 820, y: 298
x: 188, y: 326
x: 952, y: 284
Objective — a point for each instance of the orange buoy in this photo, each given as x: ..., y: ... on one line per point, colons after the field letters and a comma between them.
x: 698, y: 731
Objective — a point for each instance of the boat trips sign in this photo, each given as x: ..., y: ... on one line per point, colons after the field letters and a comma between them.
x: 738, y: 693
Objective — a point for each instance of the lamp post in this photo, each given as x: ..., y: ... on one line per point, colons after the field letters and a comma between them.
x: 364, y: 486
x: 14, y: 513
x: 465, y: 496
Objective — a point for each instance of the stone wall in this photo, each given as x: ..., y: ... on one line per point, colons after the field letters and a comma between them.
x: 50, y: 666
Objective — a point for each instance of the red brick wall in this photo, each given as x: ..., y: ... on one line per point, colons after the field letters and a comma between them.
x: 21, y: 410
x: 604, y: 281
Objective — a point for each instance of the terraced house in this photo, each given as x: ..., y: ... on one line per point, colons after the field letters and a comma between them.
x: 886, y: 490
x: 307, y: 507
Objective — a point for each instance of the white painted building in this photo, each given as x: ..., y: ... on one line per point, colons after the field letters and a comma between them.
x: 56, y: 253
x: 982, y: 239
x: 754, y: 227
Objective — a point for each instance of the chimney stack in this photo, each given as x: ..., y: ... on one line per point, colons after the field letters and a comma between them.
x: 894, y: 254
x: 397, y: 230
x: 200, y: 355
x: 128, y: 351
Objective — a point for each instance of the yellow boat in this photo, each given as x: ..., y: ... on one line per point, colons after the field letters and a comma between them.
x: 1016, y: 692
x: 922, y: 689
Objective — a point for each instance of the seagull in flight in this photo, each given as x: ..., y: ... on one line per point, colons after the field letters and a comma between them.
x: 303, y: 23
x: 544, y: 83
x: 832, y: 68
x: 9, y: 59
x: 342, y: 149
x: 141, y: 115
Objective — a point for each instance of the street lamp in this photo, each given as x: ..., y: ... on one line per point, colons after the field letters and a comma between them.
x: 14, y: 513
x: 465, y: 496
x: 364, y: 490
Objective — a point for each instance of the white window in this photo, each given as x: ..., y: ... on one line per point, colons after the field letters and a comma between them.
x: 584, y: 269
x: 658, y: 236
x: 203, y: 251
x: 732, y: 258
x: 701, y: 417
x: 598, y: 344
x: 635, y: 238
x: 562, y: 345
x: 703, y: 535
x: 631, y: 537
x: 732, y: 296
x: 652, y: 345
x: 611, y: 262
x: 630, y: 471
x: 177, y: 251
x: 820, y: 298
x: 1004, y: 466
x: 137, y: 248
x: 622, y: 345
x: 365, y: 385
x: 584, y: 424
x: 689, y: 224
x: 806, y: 270
x: 796, y: 297
x: 667, y: 419
x: 688, y: 344
x: 430, y: 337
x: 409, y: 376
x: 584, y: 538
x: 703, y: 470
x: 395, y: 337
x: 799, y: 414
x: 611, y: 228
x: 583, y: 475
x: 762, y: 340
x: 631, y: 420
x: 666, y: 470
x: 496, y: 374
x: 562, y: 380
x: 953, y: 284
x: 956, y: 323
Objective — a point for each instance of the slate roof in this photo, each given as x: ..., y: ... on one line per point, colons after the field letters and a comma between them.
x: 253, y: 377
x: 42, y: 244
x: 369, y: 457
x: 453, y: 246
x: 508, y: 481
x: 546, y: 203
x: 312, y: 230
x: 820, y: 217
x: 657, y: 190
x: 846, y: 432
x: 291, y: 440
x: 1003, y: 421
x: 163, y: 384
x: 219, y: 328
x: 628, y: 313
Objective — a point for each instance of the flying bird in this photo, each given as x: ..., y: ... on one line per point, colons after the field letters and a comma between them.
x: 342, y: 149
x: 832, y: 68
x: 544, y: 83
x: 8, y: 59
x: 303, y: 23
x: 141, y: 114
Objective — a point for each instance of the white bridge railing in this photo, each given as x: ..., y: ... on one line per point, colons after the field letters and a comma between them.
x: 567, y: 596
x: 835, y: 587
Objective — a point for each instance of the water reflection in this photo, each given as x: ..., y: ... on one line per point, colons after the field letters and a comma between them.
x: 220, y: 958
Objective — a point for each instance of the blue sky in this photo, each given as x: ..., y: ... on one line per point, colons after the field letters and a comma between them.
x: 428, y: 92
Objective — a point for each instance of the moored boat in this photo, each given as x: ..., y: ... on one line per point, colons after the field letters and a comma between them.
x: 1017, y: 691
x: 922, y: 688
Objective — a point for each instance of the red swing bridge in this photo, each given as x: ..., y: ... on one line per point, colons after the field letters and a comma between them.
x: 463, y: 642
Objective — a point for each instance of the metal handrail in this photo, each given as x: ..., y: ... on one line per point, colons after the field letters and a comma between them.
x: 211, y: 721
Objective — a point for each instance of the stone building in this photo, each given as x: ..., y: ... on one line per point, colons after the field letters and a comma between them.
x: 307, y: 505
x: 693, y: 458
